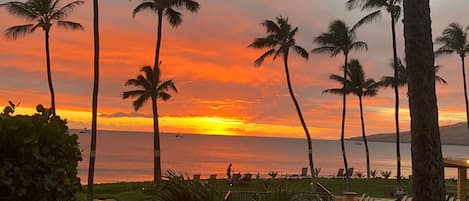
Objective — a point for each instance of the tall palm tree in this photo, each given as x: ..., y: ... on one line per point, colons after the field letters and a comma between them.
x: 340, y: 39
x: 168, y: 9
x: 43, y: 14
x: 359, y: 85
x: 427, y: 160
x: 150, y: 86
x: 394, y: 9
x: 454, y: 40
x: 279, y: 40
x: 95, y: 100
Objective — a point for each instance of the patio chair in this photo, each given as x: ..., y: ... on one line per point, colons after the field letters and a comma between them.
x: 304, y: 172
x: 349, y: 172
x: 340, y: 172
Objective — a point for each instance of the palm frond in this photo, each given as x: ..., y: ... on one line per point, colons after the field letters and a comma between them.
x: 174, y: 17
x: 337, y: 78
x: 167, y: 85
x: 268, y: 42
x: 138, y: 103
x: 334, y: 51
x: 132, y: 94
x: 70, y: 25
x: 17, y: 31
x: 443, y: 51
x: 192, y: 6
x: 271, y: 26
x: 367, y: 19
x: 63, y: 12
x: 20, y: 9
x: 164, y: 96
x: 440, y: 80
x: 338, y: 91
x: 301, y: 51
x: 359, y: 45
x: 144, y: 6
x: 396, y: 13
x: 258, y: 61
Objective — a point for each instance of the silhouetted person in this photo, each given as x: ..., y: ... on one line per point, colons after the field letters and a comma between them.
x: 228, y: 172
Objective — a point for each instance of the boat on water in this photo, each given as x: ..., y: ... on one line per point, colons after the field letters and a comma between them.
x: 85, y: 130
x: 179, y: 135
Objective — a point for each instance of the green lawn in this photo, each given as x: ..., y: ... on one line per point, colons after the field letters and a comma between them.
x: 130, y: 191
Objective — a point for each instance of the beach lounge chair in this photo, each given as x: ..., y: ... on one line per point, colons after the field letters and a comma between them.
x: 340, y: 172
x: 304, y: 172
x: 246, y: 177
x: 196, y: 177
x: 236, y: 178
x: 362, y: 198
x: 349, y: 172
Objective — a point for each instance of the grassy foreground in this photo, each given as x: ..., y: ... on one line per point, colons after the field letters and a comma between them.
x: 130, y: 191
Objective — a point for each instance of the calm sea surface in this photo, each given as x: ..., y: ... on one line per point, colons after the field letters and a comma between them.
x: 127, y: 156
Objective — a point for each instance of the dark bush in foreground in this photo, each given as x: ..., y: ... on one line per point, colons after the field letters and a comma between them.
x: 38, y: 160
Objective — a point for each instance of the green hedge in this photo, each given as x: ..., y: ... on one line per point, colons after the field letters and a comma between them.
x: 38, y: 159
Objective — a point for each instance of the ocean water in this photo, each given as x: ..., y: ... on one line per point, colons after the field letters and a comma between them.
x: 127, y: 156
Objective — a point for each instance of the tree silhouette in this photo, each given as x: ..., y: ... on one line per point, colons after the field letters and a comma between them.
x: 394, y: 9
x: 427, y: 160
x: 340, y: 39
x: 43, y: 14
x: 359, y: 85
x: 279, y: 40
x: 454, y: 40
x: 168, y: 9
x: 94, y: 112
x: 150, y: 86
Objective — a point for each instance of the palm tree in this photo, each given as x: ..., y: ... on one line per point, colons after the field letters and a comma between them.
x: 279, y: 40
x: 151, y: 87
x: 95, y: 100
x: 427, y: 160
x: 454, y: 40
x: 394, y: 10
x: 167, y: 8
x: 340, y: 39
x: 357, y: 84
x: 43, y: 14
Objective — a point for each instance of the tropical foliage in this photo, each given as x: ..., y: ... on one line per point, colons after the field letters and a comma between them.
x: 150, y: 86
x: 279, y: 40
x: 43, y: 14
x: 38, y: 160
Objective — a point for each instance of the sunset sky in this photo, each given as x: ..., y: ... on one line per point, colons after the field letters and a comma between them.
x: 220, y: 91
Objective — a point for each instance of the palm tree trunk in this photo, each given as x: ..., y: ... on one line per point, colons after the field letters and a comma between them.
x: 396, y: 107
x: 342, y: 131
x: 158, y: 39
x: 364, y: 138
x: 427, y: 160
x: 95, y: 101
x: 156, y: 143
x: 465, y: 90
x: 303, y: 124
x: 49, y: 74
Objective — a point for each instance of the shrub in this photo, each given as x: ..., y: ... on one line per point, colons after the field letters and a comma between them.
x: 273, y: 174
x: 176, y: 188
x: 386, y: 174
x: 38, y: 160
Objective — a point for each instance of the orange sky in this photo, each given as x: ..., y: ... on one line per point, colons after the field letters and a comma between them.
x: 220, y: 92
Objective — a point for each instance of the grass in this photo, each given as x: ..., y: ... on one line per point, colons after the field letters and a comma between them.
x: 130, y: 191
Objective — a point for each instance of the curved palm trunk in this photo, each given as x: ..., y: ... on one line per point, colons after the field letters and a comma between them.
x: 303, y: 124
x: 158, y: 39
x: 156, y: 143
x: 95, y: 101
x: 49, y: 74
x: 465, y: 90
x: 427, y: 161
x: 364, y: 138
x: 396, y: 108
x: 342, y: 131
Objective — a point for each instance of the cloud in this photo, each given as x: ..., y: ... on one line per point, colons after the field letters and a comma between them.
x: 123, y: 114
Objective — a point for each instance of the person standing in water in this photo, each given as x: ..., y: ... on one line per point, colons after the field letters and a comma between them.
x: 228, y: 172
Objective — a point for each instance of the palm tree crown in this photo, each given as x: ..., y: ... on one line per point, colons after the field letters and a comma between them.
x: 150, y: 86
x: 339, y: 39
x: 280, y: 39
x: 168, y: 8
x: 454, y: 39
x: 402, y: 79
x: 43, y: 12
x: 391, y: 6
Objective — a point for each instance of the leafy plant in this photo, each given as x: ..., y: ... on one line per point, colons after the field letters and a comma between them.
x: 386, y: 174
x: 273, y: 174
x: 317, y: 171
x: 38, y: 161
x: 373, y: 173
x: 359, y: 174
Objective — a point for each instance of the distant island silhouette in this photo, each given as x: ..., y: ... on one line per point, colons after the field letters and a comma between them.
x: 454, y: 134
